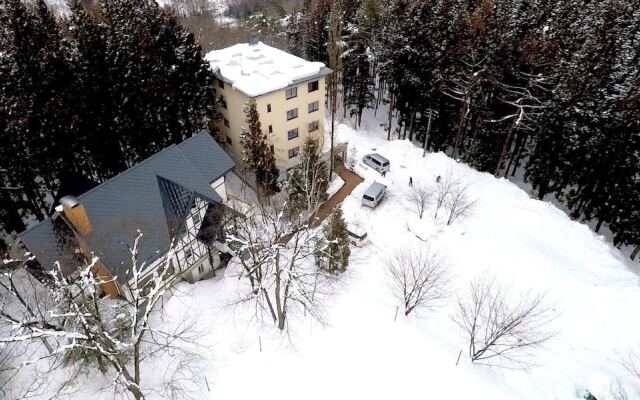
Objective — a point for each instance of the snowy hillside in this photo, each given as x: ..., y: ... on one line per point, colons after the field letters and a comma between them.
x: 363, y: 353
x: 366, y: 351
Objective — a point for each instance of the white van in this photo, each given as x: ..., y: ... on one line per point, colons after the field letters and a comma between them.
x: 377, y: 162
x: 357, y: 235
x: 373, y: 196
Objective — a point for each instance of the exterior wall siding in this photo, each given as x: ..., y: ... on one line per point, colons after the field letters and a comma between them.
x: 277, y: 119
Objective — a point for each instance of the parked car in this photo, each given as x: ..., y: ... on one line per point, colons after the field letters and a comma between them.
x: 377, y: 162
x: 357, y: 235
x: 374, y: 195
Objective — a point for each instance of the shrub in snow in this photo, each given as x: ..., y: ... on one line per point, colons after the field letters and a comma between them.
x: 502, y: 330
x: 419, y: 278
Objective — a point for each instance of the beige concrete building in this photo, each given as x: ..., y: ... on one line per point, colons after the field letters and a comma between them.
x: 289, y: 94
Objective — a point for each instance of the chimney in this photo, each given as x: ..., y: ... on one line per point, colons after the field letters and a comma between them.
x: 76, y: 214
x: 253, y: 39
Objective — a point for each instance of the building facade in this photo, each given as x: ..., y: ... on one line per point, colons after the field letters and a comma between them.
x: 289, y: 93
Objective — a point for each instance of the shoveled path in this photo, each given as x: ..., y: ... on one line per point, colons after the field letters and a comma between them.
x: 351, y: 180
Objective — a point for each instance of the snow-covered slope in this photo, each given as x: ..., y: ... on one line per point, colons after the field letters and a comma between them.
x: 364, y: 353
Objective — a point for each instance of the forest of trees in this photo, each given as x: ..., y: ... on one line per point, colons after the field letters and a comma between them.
x: 548, y: 91
x: 86, y: 96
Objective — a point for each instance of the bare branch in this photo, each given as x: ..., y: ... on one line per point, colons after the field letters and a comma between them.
x: 502, y: 330
x: 419, y: 278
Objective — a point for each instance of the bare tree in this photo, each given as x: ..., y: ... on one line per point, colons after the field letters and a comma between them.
x: 419, y: 278
x: 335, y: 46
x: 444, y: 186
x: 458, y: 203
x: 420, y: 198
x: 275, y: 251
x: 117, y: 335
x: 502, y: 330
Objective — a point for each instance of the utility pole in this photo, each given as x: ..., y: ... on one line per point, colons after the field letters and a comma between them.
x: 426, y: 137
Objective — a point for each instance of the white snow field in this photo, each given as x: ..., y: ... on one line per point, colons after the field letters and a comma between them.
x: 363, y: 353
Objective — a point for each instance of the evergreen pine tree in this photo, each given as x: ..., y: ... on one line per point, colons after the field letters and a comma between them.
x: 332, y: 254
x: 257, y: 155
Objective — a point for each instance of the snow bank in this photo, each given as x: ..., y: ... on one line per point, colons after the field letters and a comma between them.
x: 336, y: 184
x: 259, y: 69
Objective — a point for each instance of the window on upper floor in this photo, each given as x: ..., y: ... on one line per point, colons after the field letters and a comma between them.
x: 292, y: 134
x: 268, y: 107
x: 294, y: 152
x: 223, y: 102
x: 315, y: 106
x: 196, y: 219
x: 270, y: 128
x: 292, y: 92
x: 188, y: 254
x: 313, y: 86
x: 225, y: 122
x: 314, y: 126
x: 292, y: 114
x: 229, y: 141
x: 220, y: 84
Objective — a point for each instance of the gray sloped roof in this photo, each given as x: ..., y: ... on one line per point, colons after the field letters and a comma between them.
x: 132, y: 201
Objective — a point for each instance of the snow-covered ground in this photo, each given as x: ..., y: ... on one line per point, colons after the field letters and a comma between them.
x: 336, y: 184
x: 363, y: 353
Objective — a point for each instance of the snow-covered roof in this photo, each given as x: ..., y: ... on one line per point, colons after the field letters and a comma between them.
x: 259, y: 69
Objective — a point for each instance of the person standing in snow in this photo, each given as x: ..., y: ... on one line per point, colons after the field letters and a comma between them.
x: 411, y: 181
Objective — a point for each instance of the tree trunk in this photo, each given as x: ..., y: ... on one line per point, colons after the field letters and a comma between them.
x: 412, y: 126
x: 426, y: 137
x: 635, y: 252
x: 390, y: 118
x: 505, y: 148
x: 520, y: 146
x: 462, y: 121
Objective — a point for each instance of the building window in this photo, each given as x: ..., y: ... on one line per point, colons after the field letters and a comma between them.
x: 188, y: 254
x: 313, y: 86
x: 314, y: 126
x: 229, y: 142
x: 271, y: 147
x: 270, y: 128
x: 226, y: 122
x: 196, y: 219
x: 200, y: 269
x: 294, y: 152
x: 292, y: 134
x: 268, y: 107
x: 315, y: 143
x: 292, y: 92
x: 292, y: 114
x: 315, y: 106
x: 220, y: 84
x: 223, y: 102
